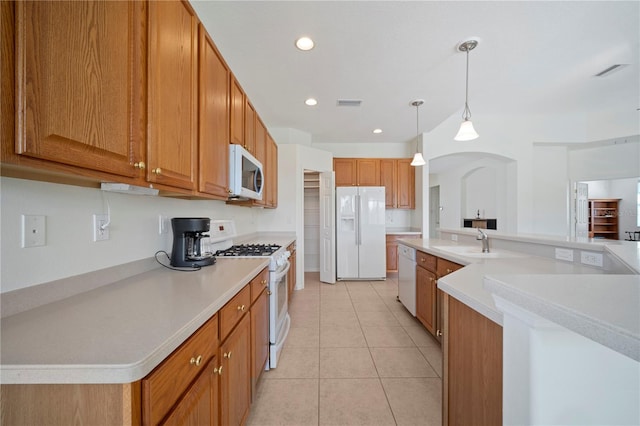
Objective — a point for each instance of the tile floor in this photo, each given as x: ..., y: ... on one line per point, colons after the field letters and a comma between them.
x: 354, y: 356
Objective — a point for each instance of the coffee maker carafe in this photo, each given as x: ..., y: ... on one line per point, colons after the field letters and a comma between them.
x: 188, y: 233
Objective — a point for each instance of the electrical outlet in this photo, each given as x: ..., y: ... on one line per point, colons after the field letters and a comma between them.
x: 163, y: 224
x: 100, y: 227
x: 34, y: 230
x: 564, y: 254
x: 590, y: 258
x: 454, y: 237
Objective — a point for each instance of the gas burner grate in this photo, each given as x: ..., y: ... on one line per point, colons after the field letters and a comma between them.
x: 249, y: 250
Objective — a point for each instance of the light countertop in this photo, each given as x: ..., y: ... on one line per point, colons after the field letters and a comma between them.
x: 119, y: 332
x: 402, y: 231
x: 531, y: 277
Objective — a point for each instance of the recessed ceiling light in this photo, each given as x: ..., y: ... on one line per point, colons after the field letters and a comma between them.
x: 376, y: 131
x: 304, y: 43
x: 311, y: 102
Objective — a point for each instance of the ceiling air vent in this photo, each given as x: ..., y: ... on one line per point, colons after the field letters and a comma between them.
x: 349, y: 102
x: 610, y: 70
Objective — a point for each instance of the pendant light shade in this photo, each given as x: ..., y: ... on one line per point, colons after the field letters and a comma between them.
x: 418, y: 160
x: 467, y: 132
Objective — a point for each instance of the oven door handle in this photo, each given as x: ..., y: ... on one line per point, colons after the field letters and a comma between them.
x: 283, y: 272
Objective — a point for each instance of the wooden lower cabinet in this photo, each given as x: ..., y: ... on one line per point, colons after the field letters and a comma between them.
x: 426, y: 298
x: 259, y: 338
x: 392, y: 253
x: 235, y: 379
x: 291, y: 275
x: 472, y: 367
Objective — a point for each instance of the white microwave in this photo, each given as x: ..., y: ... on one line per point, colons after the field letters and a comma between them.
x: 245, y: 174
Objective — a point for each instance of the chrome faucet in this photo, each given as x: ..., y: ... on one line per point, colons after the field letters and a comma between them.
x: 485, y: 240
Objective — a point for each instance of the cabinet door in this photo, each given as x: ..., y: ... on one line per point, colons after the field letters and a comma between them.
x: 405, y: 184
x: 368, y: 171
x: 426, y: 298
x: 388, y: 178
x: 236, y: 122
x: 80, y: 84
x: 261, y: 155
x: 173, y: 94
x: 272, y: 173
x: 259, y: 338
x: 345, y: 171
x: 213, y: 163
x: 235, y: 380
x: 249, y: 127
x: 199, y: 406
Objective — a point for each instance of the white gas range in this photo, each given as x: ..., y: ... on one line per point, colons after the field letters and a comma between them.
x: 221, y: 235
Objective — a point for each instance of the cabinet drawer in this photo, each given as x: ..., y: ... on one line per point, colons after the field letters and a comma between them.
x: 259, y: 283
x: 427, y: 261
x: 446, y: 267
x: 164, y: 385
x: 235, y: 308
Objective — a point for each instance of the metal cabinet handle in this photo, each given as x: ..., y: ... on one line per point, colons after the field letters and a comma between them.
x: 269, y: 293
x: 241, y: 308
x: 218, y: 371
x: 157, y: 171
x: 449, y: 271
x: 438, y: 333
x: 196, y: 361
x: 227, y: 355
x: 140, y: 165
x: 263, y: 282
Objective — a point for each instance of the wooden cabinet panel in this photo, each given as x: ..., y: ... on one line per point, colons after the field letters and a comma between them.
x: 213, y: 130
x: 426, y: 298
x: 236, y: 123
x: 445, y: 267
x: 80, y: 83
x: 260, y: 144
x: 388, y: 179
x: 199, y: 406
x: 406, y: 183
x: 392, y: 256
x: 164, y: 385
x: 259, y: 338
x: 235, y: 380
x: 249, y: 127
x: 233, y: 310
x: 291, y: 275
x: 426, y: 260
x: 345, y: 171
x: 368, y: 172
x: 173, y: 94
x: 473, y: 367
x: 272, y: 173
x: 259, y: 283
x: 603, y: 218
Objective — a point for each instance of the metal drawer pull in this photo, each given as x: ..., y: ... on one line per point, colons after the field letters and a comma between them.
x: 197, y: 361
x: 449, y: 271
x: 241, y: 308
x: 227, y: 355
x: 140, y: 165
x: 263, y: 282
x: 157, y: 171
x: 269, y: 293
x: 438, y: 333
x: 218, y: 371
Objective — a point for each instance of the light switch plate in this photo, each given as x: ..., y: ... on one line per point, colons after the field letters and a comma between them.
x: 34, y: 230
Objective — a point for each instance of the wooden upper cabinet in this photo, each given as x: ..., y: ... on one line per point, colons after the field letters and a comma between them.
x: 345, y: 171
x: 173, y: 94
x: 261, y: 155
x: 388, y: 179
x: 236, y: 121
x: 80, y: 83
x: 272, y: 173
x: 213, y: 164
x: 406, y: 182
x: 368, y: 172
x: 250, y: 128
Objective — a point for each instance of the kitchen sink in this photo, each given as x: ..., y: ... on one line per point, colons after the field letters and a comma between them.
x: 476, y: 251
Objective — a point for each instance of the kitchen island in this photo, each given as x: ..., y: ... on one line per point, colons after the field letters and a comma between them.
x: 474, y: 322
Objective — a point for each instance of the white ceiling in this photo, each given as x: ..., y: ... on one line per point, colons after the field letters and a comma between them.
x: 534, y: 57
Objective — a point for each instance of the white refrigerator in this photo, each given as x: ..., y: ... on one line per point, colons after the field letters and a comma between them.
x: 360, y: 233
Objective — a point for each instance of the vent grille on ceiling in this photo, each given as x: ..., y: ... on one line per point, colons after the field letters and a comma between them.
x: 349, y: 102
x: 611, y: 69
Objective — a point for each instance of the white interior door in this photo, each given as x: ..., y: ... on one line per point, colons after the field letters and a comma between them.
x: 327, y: 228
x: 582, y: 209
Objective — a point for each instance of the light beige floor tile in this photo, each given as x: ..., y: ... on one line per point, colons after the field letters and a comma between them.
x: 337, y: 305
x: 339, y: 319
x: 415, y: 401
x: 342, y: 337
x: 369, y: 305
x: 387, y: 337
x: 305, y: 303
x: 401, y: 362
x: 421, y: 336
x: 291, y: 402
x: 363, y: 294
x: 346, y: 363
x: 370, y: 319
x: 296, y: 363
x: 434, y: 358
x: 404, y: 317
x: 353, y: 402
x: 389, y: 284
x: 355, y: 285
x: 304, y: 319
x: 303, y: 337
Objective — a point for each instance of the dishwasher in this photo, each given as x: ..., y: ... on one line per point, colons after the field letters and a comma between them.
x: 407, y: 277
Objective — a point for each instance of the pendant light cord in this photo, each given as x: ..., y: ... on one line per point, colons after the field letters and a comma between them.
x: 417, y: 127
x: 466, y: 114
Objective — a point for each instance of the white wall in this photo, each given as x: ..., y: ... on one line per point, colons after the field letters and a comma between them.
x: 69, y: 213
x: 550, y: 190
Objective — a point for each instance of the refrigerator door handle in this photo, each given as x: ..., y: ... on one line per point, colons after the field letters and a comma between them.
x: 358, y: 241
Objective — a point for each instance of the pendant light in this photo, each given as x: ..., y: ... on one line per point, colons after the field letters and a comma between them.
x: 467, y: 132
x: 418, y: 160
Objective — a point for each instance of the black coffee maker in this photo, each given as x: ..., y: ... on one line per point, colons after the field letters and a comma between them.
x: 188, y: 233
